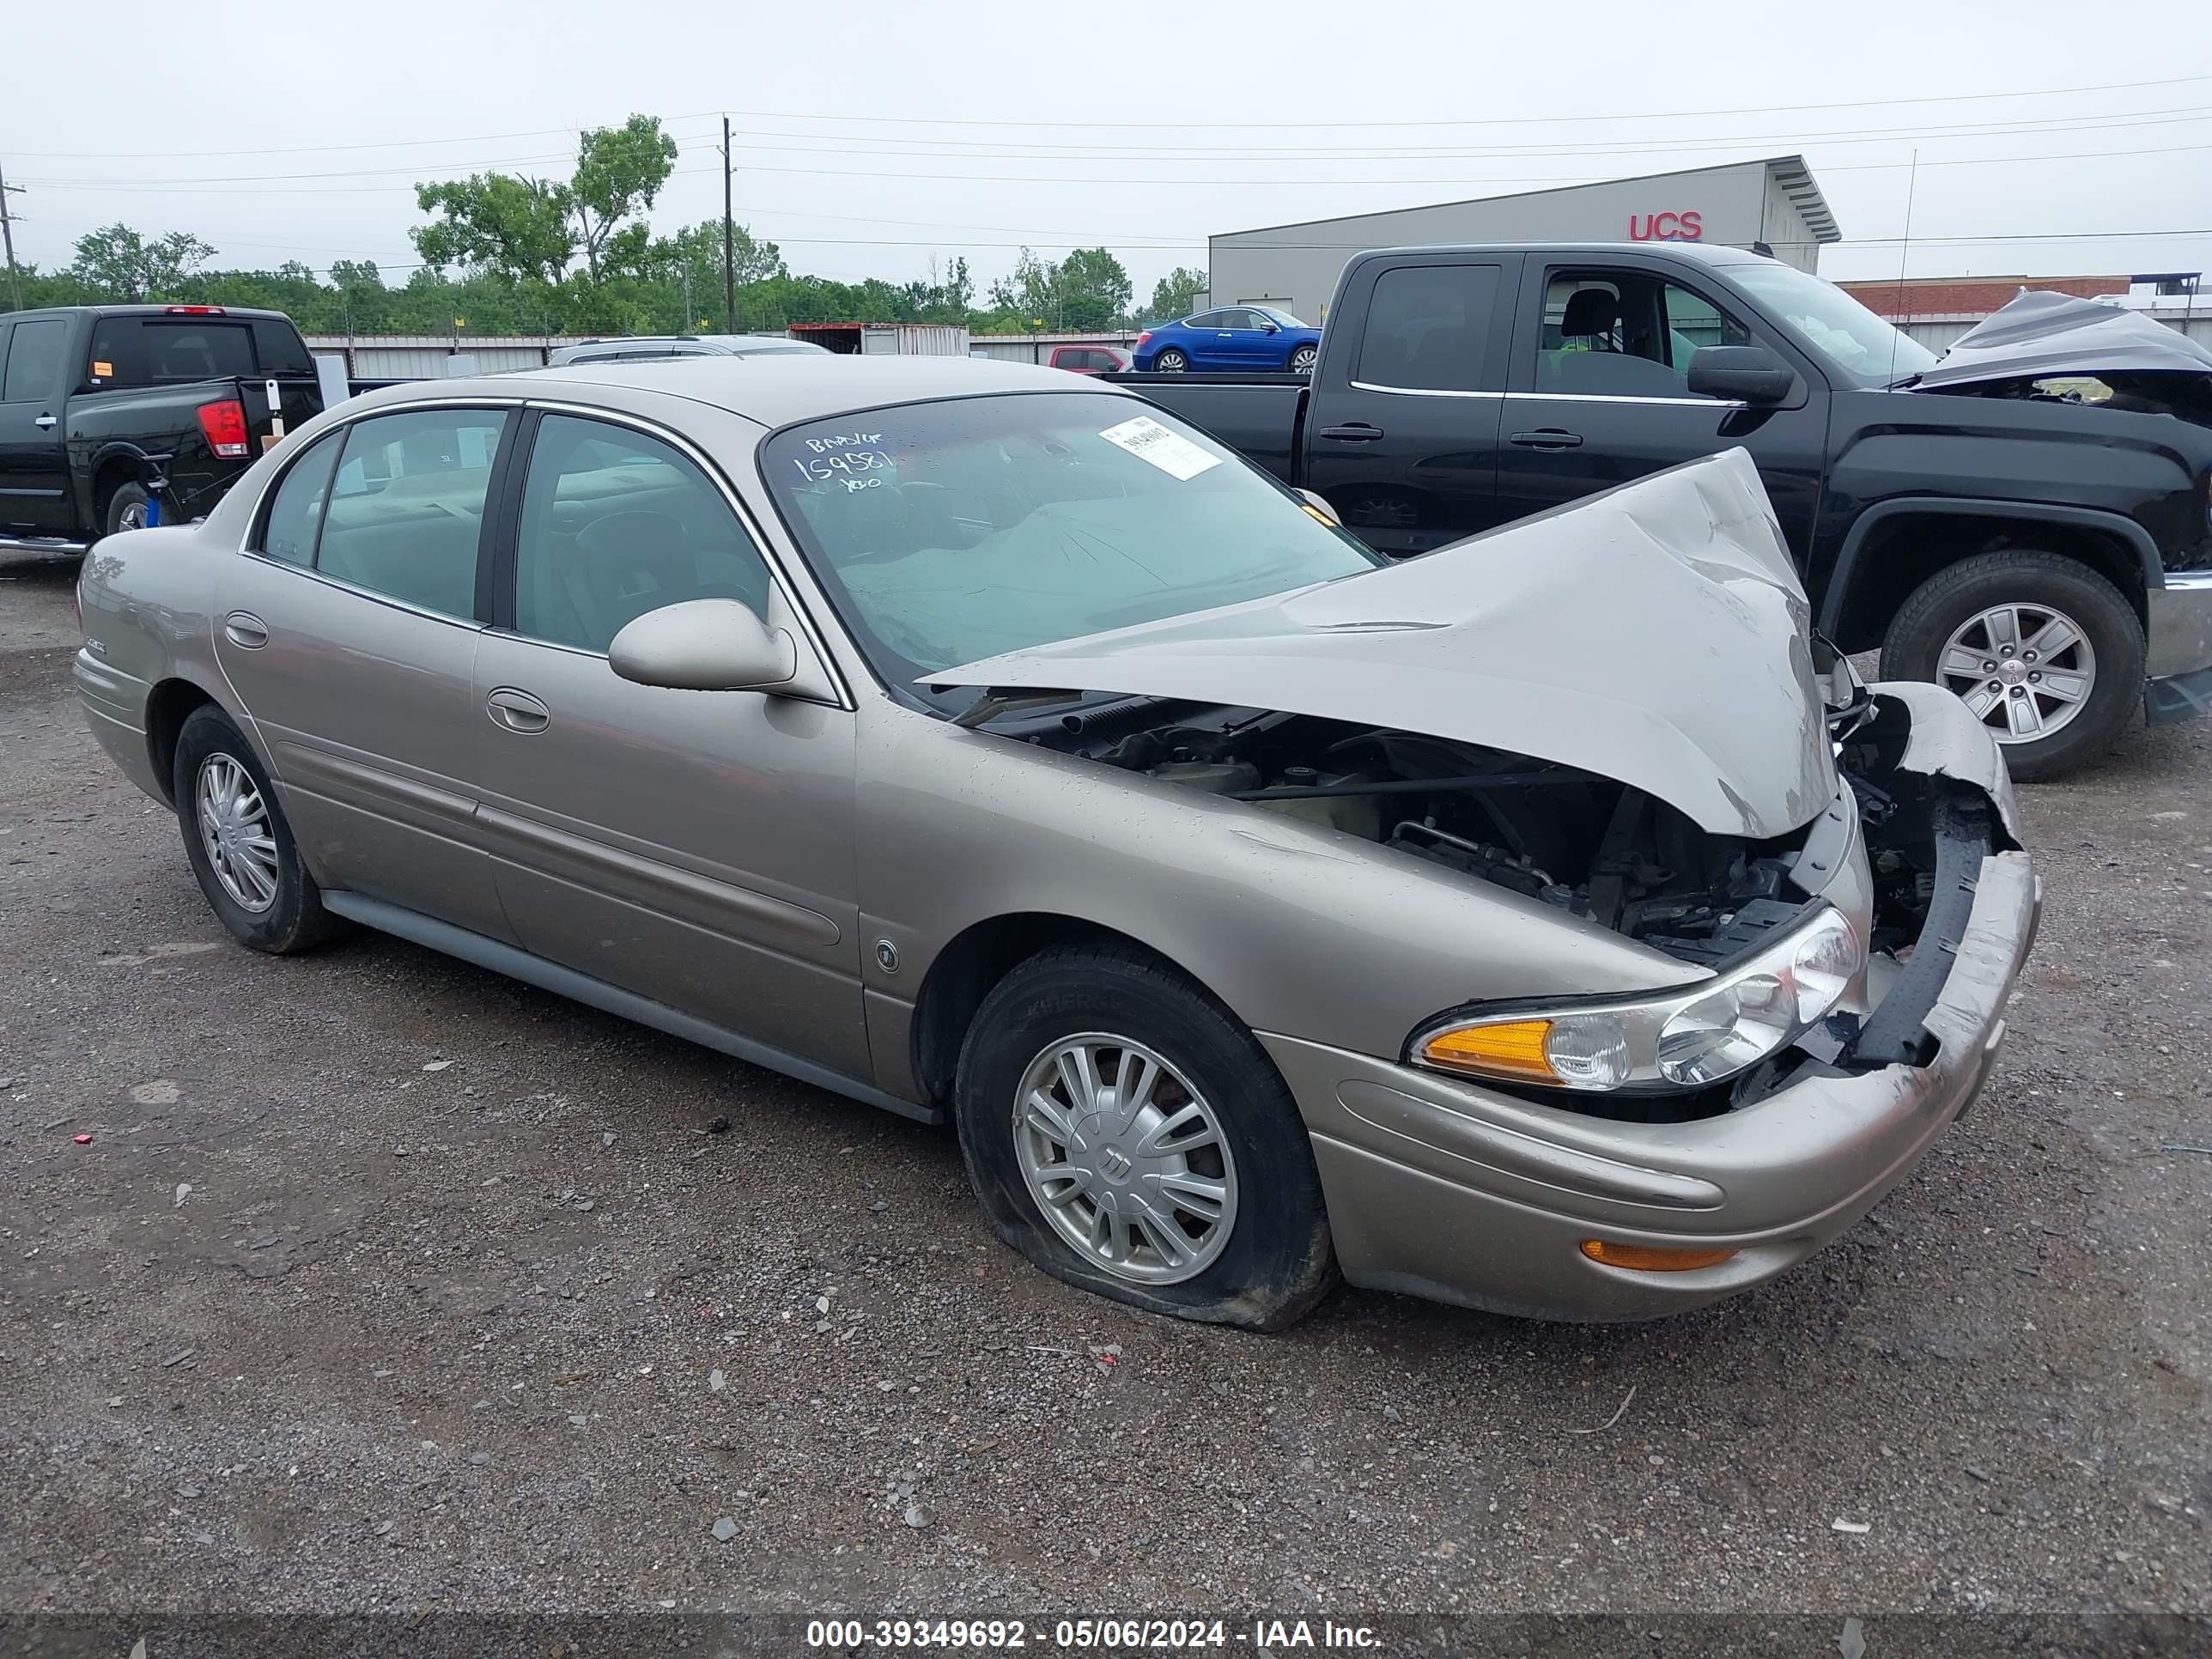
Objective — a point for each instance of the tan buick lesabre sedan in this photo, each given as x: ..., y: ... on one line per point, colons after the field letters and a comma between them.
x: 1549, y: 924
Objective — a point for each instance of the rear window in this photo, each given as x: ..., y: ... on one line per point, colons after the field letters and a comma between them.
x: 136, y: 351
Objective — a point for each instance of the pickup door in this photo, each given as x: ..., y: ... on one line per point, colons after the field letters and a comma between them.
x: 1597, y: 389
x: 1401, y: 427
x: 33, y: 455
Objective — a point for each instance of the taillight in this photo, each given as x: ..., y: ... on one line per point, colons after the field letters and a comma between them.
x: 193, y: 310
x: 223, y: 424
x: 1146, y: 336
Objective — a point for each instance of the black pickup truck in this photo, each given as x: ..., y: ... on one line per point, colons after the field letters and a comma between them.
x: 2024, y: 520
x: 106, y: 408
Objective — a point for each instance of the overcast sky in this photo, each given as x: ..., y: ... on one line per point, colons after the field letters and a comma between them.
x: 873, y: 135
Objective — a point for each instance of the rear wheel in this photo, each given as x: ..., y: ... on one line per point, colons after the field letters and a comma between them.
x: 1129, y: 1136
x: 127, y: 510
x: 1170, y: 361
x: 240, y: 845
x: 2047, y: 653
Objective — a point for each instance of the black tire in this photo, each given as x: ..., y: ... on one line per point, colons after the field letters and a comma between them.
x: 294, y: 919
x: 1170, y: 361
x: 1278, y: 1262
x: 1947, y: 601
x: 1310, y: 354
x: 126, y: 499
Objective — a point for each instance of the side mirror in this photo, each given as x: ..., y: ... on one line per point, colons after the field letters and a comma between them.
x: 1318, y: 506
x: 1271, y: 328
x: 704, y: 645
x: 1749, y: 373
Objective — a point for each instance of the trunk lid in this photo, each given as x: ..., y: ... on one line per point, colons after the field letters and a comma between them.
x: 1657, y: 635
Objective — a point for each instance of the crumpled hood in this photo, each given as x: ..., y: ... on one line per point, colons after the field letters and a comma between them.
x: 2039, y: 335
x: 1655, y: 634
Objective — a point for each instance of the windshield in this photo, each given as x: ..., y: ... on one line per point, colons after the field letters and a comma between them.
x: 1845, y: 331
x: 947, y: 532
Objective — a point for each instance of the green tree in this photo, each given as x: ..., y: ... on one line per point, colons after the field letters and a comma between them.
x: 619, y: 173
x: 1092, y: 280
x: 1176, y: 294
x: 117, y: 263
x: 512, y: 227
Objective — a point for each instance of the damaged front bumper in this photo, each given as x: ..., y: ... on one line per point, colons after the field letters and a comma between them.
x: 2178, y: 664
x: 1446, y: 1189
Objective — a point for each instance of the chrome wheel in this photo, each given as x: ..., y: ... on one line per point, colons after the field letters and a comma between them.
x: 1170, y: 362
x: 2025, y: 670
x: 235, y: 832
x: 1126, y: 1159
x: 1301, y: 360
x: 132, y: 517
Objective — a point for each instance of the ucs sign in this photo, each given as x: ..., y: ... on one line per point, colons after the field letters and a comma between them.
x: 1665, y: 228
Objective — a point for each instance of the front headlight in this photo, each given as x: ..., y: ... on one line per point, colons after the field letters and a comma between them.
x: 1683, y: 1038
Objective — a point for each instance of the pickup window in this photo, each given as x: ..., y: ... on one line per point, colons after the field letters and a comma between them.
x: 1429, y: 328
x: 34, y: 360
x: 142, y: 351
x: 1626, y: 334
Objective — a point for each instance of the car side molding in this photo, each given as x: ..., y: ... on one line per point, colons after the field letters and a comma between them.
x: 445, y: 938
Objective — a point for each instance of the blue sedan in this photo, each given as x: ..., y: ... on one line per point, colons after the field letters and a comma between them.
x: 1233, y: 337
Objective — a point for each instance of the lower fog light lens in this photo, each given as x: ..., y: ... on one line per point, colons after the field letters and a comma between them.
x: 1652, y: 1258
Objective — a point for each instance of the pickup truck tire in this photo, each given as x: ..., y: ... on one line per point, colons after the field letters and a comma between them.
x: 1200, y: 1201
x: 125, y: 510
x: 238, y: 841
x: 1170, y: 361
x: 2047, y: 651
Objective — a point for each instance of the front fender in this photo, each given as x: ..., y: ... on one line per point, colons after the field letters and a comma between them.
x: 1291, y: 926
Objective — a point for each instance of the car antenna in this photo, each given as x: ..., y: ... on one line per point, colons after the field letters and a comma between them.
x: 1904, y: 252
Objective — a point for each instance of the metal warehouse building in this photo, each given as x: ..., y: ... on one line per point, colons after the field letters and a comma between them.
x: 1774, y: 204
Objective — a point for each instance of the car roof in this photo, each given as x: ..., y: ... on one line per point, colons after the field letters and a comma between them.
x: 774, y: 389
x: 1711, y: 254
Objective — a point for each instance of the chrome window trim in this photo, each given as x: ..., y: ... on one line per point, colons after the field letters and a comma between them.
x: 777, y: 575
x: 391, y: 600
x: 1550, y: 396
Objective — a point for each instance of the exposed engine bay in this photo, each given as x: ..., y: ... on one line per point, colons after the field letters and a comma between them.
x: 1588, y: 845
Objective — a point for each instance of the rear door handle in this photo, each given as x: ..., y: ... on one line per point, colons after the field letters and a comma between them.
x: 518, y: 711
x: 1358, y: 433
x: 1549, y: 437
x: 45, y: 423
x: 246, y: 630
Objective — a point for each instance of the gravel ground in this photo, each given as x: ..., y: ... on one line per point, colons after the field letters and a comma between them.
x: 385, y: 1284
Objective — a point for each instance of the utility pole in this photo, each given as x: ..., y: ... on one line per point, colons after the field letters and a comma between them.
x: 729, y: 240
x: 8, y: 236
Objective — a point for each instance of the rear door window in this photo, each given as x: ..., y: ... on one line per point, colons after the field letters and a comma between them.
x: 406, y: 507
x: 34, y: 360
x: 1430, y: 329
x: 296, y: 514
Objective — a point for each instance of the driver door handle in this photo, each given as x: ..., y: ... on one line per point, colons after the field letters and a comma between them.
x: 518, y: 711
x: 45, y: 423
x: 1358, y: 433
x: 1549, y: 437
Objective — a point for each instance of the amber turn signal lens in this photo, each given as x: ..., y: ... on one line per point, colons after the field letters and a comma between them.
x: 1651, y: 1258
x: 1512, y: 1047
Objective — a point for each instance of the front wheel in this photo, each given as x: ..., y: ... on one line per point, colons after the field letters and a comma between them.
x: 1129, y: 1137
x: 2046, y: 653
x: 1302, y: 360
x: 1170, y: 361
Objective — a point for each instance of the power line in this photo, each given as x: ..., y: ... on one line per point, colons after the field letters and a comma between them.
x: 932, y: 120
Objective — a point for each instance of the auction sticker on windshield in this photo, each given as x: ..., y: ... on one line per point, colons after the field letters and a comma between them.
x: 1171, y: 451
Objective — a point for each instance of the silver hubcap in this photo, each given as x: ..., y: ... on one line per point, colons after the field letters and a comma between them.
x: 2025, y: 670
x: 1125, y: 1158
x: 1302, y: 361
x: 1170, y: 362
x: 234, y: 832
x: 132, y: 517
